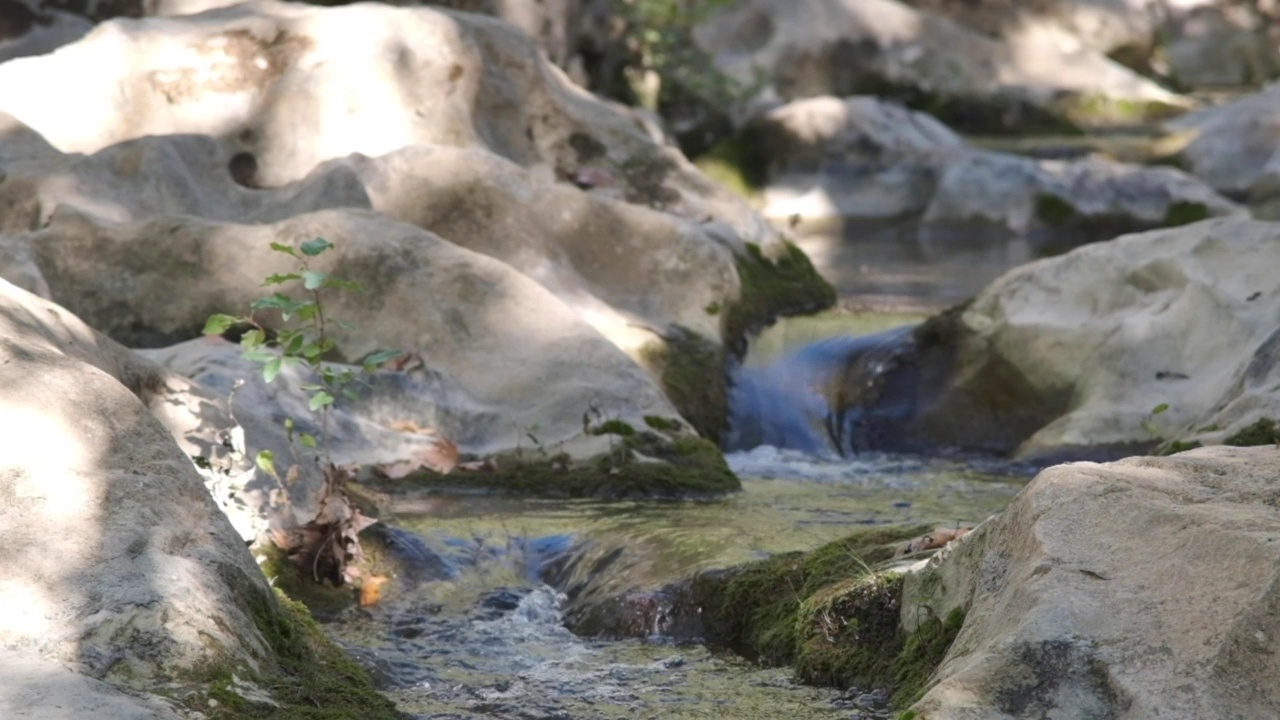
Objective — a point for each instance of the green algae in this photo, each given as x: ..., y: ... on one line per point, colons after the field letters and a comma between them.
x: 787, y: 285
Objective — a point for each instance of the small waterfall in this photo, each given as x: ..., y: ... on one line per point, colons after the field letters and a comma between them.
x: 819, y: 399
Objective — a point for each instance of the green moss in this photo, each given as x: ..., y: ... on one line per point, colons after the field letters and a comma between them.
x: 735, y: 163
x: 755, y: 609
x: 692, y: 370
x: 1185, y: 212
x: 788, y: 285
x: 921, y: 655
x: 614, y: 427
x: 997, y: 114
x: 680, y: 467
x: 1263, y: 432
x: 907, y: 715
x: 663, y: 425
x: 312, y: 679
x: 829, y: 614
x: 1172, y: 447
x: 1093, y: 109
x: 1053, y: 210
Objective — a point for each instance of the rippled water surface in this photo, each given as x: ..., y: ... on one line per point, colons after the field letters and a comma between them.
x: 489, y: 641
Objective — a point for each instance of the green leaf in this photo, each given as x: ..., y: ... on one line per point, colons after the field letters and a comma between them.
x: 307, y: 440
x: 275, y: 300
x: 307, y: 311
x: 284, y: 249
x: 310, y: 386
x: 260, y: 354
x: 218, y: 324
x: 314, y: 279
x: 311, y: 350
x: 381, y: 357
x: 267, y: 461
x: 320, y: 399
x: 1159, y: 408
x: 312, y: 248
x: 279, y: 278
x: 253, y: 339
x: 350, y: 394
x: 271, y: 369
x: 293, y: 344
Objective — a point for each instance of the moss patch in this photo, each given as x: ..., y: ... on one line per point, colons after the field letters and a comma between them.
x: 1095, y: 110
x: 313, y: 678
x: 1053, y: 210
x: 829, y: 614
x: 770, y: 288
x: 1185, y: 212
x: 692, y: 370
x: 737, y: 164
x: 670, y: 467
x: 1263, y: 432
x: 1173, y: 447
x: 998, y: 114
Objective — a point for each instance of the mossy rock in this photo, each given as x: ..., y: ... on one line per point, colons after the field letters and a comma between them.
x: 1093, y: 110
x: 693, y: 370
x: 787, y: 285
x: 998, y: 114
x: 643, y: 464
x: 736, y: 163
x: 829, y: 614
x: 313, y: 679
x: 1263, y: 432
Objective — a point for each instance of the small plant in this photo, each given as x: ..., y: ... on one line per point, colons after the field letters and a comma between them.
x: 303, y: 341
x: 326, y: 545
x: 1149, y: 424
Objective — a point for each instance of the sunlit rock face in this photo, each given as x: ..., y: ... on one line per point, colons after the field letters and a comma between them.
x: 1072, y: 356
x: 1140, y: 588
x: 266, y: 112
x: 847, y: 47
x: 1235, y: 147
x: 868, y: 179
x: 118, y: 563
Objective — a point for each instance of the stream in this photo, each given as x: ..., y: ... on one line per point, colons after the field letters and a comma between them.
x: 481, y: 631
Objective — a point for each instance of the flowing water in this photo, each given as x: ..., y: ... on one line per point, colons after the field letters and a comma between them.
x: 480, y: 632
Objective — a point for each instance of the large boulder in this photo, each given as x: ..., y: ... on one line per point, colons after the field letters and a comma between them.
x: 848, y: 47
x: 1235, y: 147
x: 122, y: 574
x: 1111, y: 348
x: 1143, y: 588
x: 260, y: 112
x: 860, y: 171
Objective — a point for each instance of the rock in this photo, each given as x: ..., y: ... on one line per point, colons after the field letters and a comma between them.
x: 273, y: 83
x: 883, y: 47
x: 1102, y: 26
x: 27, y: 29
x: 861, y: 173
x: 502, y: 341
x: 1233, y: 147
x: 1067, y: 615
x: 1219, y: 45
x: 1072, y: 355
x: 121, y: 571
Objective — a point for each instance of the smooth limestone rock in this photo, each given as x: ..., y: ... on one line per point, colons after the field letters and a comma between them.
x: 1136, y: 589
x: 848, y: 47
x: 861, y: 172
x: 118, y: 564
x: 501, y: 339
x: 1072, y: 355
x: 1100, y: 25
x: 1235, y: 148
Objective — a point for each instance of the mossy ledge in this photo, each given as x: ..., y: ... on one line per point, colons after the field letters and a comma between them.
x: 313, y: 679
x: 642, y: 464
x: 787, y: 285
x: 829, y: 614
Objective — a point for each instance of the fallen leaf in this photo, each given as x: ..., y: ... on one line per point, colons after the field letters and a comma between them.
x: 371, y: 589
x: 931, y: 541
x: 488, y: 464
x: 440, y: 456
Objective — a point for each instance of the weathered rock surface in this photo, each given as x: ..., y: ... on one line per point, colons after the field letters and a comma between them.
x: 28, y: 29
x: 1071, y: 355
x: 645, y: 249
x: 1137, y: 589
x: 504, y: 340
x: 1235, y: 147
x: 842, y: 47
x: 119, y: 566
x: 863, y: 171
